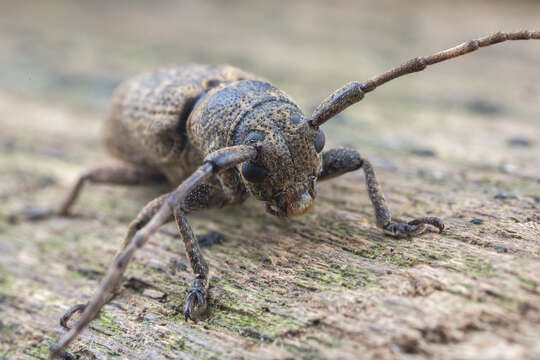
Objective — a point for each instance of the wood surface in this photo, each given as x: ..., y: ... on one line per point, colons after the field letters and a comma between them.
x: 460, y: 141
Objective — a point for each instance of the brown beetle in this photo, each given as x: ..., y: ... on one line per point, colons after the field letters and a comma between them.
x: 224, y: 134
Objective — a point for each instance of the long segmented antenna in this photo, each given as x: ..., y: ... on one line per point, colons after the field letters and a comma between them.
x: 214, y: 162
x: 353, y: 92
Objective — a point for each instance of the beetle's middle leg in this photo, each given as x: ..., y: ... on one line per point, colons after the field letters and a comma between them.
x: 342, y: 160
x: 142, y: 218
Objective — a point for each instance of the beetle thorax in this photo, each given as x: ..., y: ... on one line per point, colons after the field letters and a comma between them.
x: 256, y: 113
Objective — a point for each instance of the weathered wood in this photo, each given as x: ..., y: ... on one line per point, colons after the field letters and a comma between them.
x: 459, y: 142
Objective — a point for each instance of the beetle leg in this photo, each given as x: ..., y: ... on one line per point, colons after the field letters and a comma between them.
x: 117, y: 173
x: 342, y: 160
x: 195, y: 302
x: 215, y: 162
x: 202, y: 197
x: 142, y: 218
x: 339, y: 161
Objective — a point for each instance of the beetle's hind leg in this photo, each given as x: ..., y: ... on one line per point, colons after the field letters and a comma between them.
x: 117, y: 173
x: 114, y: 173
x: 342, y: 160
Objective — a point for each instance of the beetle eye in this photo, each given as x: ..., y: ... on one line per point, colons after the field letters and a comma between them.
x: 253, y: 173
x: 253, y: 138
x: 319, y: 141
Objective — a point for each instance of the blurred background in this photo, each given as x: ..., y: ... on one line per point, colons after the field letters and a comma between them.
x: 74, y: 54
x: 460, y: 140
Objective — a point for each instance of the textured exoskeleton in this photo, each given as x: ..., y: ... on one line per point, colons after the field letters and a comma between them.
x: 219, y: 135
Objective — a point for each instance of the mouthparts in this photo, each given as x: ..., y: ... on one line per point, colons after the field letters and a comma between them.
x: 295, y: 200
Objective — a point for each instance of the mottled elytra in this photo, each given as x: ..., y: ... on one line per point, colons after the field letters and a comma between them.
x: 219, y: 134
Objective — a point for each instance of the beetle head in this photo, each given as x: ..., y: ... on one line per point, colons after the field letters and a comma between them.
x: 289, y: 158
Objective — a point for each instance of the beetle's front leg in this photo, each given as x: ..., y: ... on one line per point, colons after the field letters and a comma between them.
x: 195, y: 302
x: 342, y: 160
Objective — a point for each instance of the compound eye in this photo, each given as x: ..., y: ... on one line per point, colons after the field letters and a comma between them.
x: 254, y: 138
x: 319, y: 141
x: 253, y: 173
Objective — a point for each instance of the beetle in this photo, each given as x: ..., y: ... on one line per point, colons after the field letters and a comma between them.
x: 220, y: 135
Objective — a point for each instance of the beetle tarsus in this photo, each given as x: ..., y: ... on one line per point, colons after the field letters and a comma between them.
x: 60, y: 353
x: 195, y: 303
x: 412, y: 228
x: 403, y: 229
x: 79, y: 308
x: 431, y: 220
x: 30, y: 214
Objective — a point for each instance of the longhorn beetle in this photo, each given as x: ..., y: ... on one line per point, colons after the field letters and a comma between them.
x: 223, y: 134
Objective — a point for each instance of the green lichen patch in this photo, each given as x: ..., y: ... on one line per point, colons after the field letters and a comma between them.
x: 106, y: 323
x: 477, y: 267
x: 528, y: 284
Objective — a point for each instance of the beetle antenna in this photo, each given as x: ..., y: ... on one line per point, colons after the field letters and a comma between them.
x: 354, y: 91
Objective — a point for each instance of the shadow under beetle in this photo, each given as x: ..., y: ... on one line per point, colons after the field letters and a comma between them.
x: 224, y: 134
